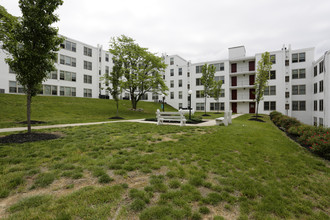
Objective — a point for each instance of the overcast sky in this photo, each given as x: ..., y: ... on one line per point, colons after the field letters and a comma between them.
x: 194, y: 29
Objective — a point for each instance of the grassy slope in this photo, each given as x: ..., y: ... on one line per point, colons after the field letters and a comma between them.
x: 248, y: 170
x: 61, y: 110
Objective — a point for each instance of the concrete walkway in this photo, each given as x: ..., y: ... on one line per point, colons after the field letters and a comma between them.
x: 208, y: 122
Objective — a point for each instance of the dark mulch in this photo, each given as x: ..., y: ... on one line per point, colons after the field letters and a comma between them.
x: 217, y: 113
x: 256, y: 119
x: 26, y: 137
x: 116, y: 117
x: 187, y: 122
x: 33, y: 122
x: 206, y: 115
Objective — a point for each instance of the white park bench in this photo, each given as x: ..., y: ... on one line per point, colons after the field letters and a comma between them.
x: 224, y: 120
x: 170, y: 116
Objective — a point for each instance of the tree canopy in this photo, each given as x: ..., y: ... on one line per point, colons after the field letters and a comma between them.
x: 207, y: 80
x: 141, y: 68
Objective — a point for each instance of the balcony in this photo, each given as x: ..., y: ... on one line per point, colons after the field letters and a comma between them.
x: 242, y: 98
x: 243, y: 84
x: 243, y: 70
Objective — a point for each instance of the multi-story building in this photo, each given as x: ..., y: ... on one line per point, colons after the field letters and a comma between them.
x: 298, y: 86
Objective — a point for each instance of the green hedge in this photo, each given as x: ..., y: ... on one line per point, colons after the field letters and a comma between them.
x: 317, y: 139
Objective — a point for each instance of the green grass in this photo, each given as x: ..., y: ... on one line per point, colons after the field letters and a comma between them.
x: 63, y: 110
x: 248, y: 170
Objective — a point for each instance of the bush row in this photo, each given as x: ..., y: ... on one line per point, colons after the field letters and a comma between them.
x: 317, y: 139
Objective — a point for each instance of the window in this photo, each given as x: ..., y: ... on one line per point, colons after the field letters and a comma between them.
x: 287, y: 62
x: 299, y: 74
x: 287, y: 78
x: 321, y: 105
x: 107, y: 57
x: 321, y: 66
x: 155, y: 96
x: 272, y: 74
x: 68, y: 45
x: 188, y: 86
x: 199, y: 94
x: 315, y: 121
x: 298, y: 57
x: 287, y: 106
x: 198, y: 82
x: 66, y: 60
x: 144, y: 96
x: 180, y: 71
x: 107, y: 70
x: 87, y: 51
x: 87, y: 65
x: 67, y: 91
x: 180, y: 94
x: 269, y: 106
x: 67, y: 76
x: 48, y: 90
x: 172, y: 83
x: 218, y: 66
x: 215, y: 106
x: 287, y: 94
x: 199, y: 69
x: 52, y: 75
x: 88, y: 93
x: 299, y: 90
x: 321, y: 86
x: 180, y: 83
x: 272, y: 58
x: 172, y: 95
x: 270, y: 90
x: 172, y: 72
x: 180, y: 105
x: 315, y: 88
x: 11, y: 71
x: 200, y: 106
x: 315, y: 70
x: 315, y: 105
x: 171, y: 61
x: 218, y: 78
x: 298, y: 105
x: 88, y: 79
x: 15, y: 87
x: 321, y: 122
x: 188, y: 74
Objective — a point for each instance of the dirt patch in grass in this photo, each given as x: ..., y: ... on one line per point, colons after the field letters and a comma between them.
x: 26, y: 137
x: 221, y: 210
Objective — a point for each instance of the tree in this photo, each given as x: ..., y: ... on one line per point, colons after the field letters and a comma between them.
x: 115, y: 80
x: 141, y: 68
x: 262, y: 76
x: 216, y: 91
x: 32, y: 44
x: 207, y: 80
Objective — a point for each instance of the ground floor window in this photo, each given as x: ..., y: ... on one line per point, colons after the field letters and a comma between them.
x: 15, y: 87
x: 144, y: 96
x: 298, y: 105
x: 200, y: 106
x: 67, y: 91
x: 315, y: 121
x: 269, y: 106
x: 180, y: 105
x: 88, y: 93
x: 320, y: 121
x: 216, y: 106
x: 48, y: 90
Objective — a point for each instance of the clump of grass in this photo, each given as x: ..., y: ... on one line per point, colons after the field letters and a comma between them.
x: 165, y: 212
x: 204, y: 210
x: 174, y: 184
x: 30, y: 202
x: 196, y: 181
x: 212, y: 198
x: 44, y: 179
x: 137, y: 205
x: 157, y: 183
x: 196, y: 216
x: 141, y: 198
x: 4, y: 193
x: 105, y: 178
x: 219, y: 218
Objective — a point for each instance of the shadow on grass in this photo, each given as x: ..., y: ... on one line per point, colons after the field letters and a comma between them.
x: 26, y: 137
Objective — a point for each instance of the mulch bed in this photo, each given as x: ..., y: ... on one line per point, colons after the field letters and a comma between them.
x: 26, y: 137
x: 254, y: 118
x: 33, y: 122
x: 116, y: 117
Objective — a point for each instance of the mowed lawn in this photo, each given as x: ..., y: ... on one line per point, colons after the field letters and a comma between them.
x: 248, y: 170
x: 65, y: 110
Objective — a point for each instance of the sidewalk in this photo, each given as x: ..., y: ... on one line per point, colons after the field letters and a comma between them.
x: 208, y: 122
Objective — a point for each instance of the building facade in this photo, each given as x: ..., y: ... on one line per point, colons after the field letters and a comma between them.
x: 298, y: 85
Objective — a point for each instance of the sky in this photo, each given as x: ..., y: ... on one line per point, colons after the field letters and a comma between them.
x: 197, y: 30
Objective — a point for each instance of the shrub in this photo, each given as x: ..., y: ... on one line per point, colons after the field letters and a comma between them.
x: 286, y: 122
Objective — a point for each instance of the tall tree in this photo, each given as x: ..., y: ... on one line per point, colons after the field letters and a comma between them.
x: 114, y: 78
x: 216, y: 91
x: 207, y: 80
x: 141, y: 68
x: 32, y: 44
x: 262, y: 76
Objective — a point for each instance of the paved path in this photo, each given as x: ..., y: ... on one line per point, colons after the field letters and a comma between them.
x: 208, y: 122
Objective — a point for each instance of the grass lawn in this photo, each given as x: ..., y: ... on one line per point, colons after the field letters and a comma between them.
x: 63, y: 110
x: 248, y: 170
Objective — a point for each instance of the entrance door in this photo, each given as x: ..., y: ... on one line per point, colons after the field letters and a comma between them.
x: 252, y: 95
x: 234, y: 67
x: 234, y: 107
x: 252, y: 108
x: 251, y: 79
x: 234, y: 94
x: 234, y: 81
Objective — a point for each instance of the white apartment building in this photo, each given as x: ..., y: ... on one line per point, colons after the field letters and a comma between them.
x: 298, y: 85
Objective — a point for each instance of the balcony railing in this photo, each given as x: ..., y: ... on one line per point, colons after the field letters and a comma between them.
x: 242, y: 84
x: 242, y: 97
x: 243, y: 70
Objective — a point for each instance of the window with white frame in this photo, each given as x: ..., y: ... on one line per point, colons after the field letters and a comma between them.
x: 144, y: 96
x: 88, y: 93
x: 15, y: 87
x: 180, y: 71
x: 287, y: 94
x: 172, y: 84
x: 66, y: 60
x: 172, y: 95
x: 180, y: 94
x: 315, y: 88
x: 269, y: 106
x: 199, y: 94
x: 67, y: 91
x: 272, y: 74
x: 321, y: 122
x: 171, y: 72
x: 67, y: 76
x: 68, y: 45
x: 270, y: 90
x: 272, y: 58
x: 155, y: 96
x: 88, y: 79
x: 200, y: 106
x: 298, y: 89
x: 218, y: 78
x: 48, y: 90
x: 180, y: 105
x: 171, y: 61
x: 299, y: 74
x: 321, y: 66
x: 298, y: 105
x: 321, y: 86
x: 52, y: 75
x: 298, y: 57
x: 106, y: 57
x: 315, y: 121
x: 87, y: 65
x: 180, y: 82
x: 217, y: 106
x: 198, y: 82
x: 321, y: 105
x: 199, y: 69
x: 107, y: 70
x: 315, y: 70
x: 87, y: 51
x: 315, y: 105
x: 218, y: 66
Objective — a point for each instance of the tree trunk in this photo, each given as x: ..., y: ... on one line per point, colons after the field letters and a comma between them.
x: 204, y: 103
x: 134, y: 102
x: 28, y: 110
x: 219, y: 106
x: 117, y: 103
x: 257, y: 109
